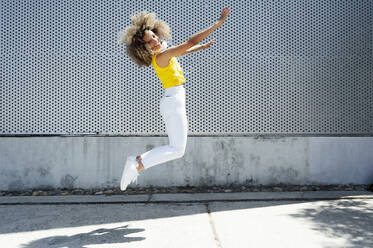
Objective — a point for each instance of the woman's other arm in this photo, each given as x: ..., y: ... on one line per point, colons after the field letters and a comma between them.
x: 198, y: 47
x: 187, y: 46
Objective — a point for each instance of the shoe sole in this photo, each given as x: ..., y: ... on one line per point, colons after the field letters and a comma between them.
x: 125, y: 171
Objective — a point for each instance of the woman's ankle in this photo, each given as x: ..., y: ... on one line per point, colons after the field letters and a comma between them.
x: 140, y: 166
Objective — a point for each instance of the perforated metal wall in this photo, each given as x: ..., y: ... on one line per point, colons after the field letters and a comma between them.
x: 282, y: 67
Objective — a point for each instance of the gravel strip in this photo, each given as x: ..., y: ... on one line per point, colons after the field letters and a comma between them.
x: 214, y: 189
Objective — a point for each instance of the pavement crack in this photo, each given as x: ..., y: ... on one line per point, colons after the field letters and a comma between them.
x: 212, y: 224
x: 150, y: 196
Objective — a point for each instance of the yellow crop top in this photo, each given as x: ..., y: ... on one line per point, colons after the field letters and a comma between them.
x: 172, y: 75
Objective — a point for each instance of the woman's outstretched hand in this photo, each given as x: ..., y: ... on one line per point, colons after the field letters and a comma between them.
x: 208, y: 44
x: 224, y: 14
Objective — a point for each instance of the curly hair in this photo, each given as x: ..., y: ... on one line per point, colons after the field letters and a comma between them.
x: 133, y: 36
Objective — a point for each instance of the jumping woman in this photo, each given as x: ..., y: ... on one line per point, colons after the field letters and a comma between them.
x: 146, y: 45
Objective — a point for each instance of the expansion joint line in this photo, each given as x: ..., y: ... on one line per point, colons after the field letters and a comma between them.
x: 212, y: 224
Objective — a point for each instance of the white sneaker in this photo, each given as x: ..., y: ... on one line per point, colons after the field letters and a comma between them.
x: 130, y: 172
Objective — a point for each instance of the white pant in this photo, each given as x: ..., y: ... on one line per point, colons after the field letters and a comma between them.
x: 172, y: 107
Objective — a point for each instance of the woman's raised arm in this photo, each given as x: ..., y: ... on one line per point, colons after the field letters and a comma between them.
x: 164, y: 56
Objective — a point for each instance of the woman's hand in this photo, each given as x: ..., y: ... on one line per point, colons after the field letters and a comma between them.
x: 208, y: 44
x: 224, y: 14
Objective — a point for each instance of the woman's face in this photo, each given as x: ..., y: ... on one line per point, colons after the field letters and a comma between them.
x: 152, y: 42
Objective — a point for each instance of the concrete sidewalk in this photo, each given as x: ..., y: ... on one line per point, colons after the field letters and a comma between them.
x: 248, y: 219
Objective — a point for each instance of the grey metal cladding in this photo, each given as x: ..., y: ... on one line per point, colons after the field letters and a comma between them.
x: 277, y: 67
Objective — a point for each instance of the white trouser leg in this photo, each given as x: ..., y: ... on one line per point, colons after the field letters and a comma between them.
x: 174, y: 116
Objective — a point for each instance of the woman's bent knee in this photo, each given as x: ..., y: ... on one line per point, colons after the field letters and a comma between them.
x: 179, y: 153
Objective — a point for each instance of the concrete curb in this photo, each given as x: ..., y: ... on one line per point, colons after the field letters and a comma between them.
x: 185, y: 198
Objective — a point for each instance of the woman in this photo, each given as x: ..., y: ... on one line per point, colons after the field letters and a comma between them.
x: 144, y: 46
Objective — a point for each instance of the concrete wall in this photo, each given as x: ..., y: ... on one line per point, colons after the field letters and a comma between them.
x: 92, y: 162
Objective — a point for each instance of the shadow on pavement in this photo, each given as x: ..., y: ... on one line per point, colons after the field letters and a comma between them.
x: 345, y: 218
x: 81, y: 240
x: 351, y: 218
